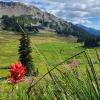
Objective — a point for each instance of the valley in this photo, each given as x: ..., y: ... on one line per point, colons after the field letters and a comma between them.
x: 47, y: 48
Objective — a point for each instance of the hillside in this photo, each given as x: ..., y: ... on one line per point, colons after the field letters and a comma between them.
x: 17, y: 9
x: 90, y: 30
x: 44, y: 19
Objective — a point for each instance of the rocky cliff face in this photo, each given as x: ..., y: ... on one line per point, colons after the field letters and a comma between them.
x: 17, y: 9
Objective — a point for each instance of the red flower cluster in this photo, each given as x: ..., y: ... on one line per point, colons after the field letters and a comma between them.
x: 17, y: 73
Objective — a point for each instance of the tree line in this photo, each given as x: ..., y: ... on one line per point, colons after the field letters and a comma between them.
x: 65, y: 29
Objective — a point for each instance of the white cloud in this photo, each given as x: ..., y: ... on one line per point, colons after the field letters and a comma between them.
x: 77, y: 11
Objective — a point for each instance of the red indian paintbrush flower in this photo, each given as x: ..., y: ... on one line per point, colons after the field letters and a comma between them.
x: 17, y: 73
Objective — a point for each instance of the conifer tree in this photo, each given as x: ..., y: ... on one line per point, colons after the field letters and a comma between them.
x: 25, y: 53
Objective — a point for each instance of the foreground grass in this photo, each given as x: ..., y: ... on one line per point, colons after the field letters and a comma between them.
x: 62, y: 83
x: 68, y: 83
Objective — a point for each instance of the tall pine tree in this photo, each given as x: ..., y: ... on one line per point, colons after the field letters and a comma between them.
x: 25, y: 53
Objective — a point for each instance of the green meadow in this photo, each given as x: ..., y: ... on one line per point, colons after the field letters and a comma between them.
x: 47, y: 49
x: 62, y: 82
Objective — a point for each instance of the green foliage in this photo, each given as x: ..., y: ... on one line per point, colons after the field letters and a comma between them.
x: 25, y: 54
x: 91, y: 42
x: 69, y: 84
x: 10, y: 23
x: 82, y: 83
x: 59, y: 84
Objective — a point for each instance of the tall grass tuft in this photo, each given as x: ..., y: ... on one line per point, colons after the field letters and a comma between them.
x: 69, y: 83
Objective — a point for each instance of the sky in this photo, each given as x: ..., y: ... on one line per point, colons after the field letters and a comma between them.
x: 85, y: 12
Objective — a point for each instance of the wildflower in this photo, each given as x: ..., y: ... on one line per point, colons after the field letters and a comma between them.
x: 17, y: 72
x: 75, y: 64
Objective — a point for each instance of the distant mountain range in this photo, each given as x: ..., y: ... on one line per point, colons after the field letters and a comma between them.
x: 90, y: 30
x: 45, y: 19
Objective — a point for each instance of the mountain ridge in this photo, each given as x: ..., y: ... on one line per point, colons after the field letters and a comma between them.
x: 44, y: 18
x: 90, y: 30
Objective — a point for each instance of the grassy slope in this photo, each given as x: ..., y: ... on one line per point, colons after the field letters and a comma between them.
x: 47, y: 49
